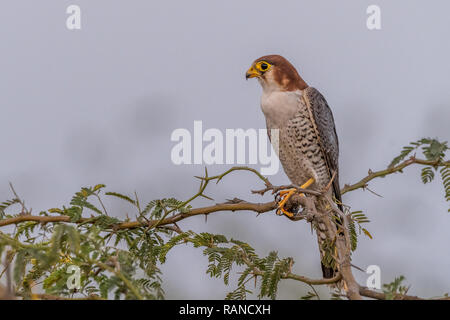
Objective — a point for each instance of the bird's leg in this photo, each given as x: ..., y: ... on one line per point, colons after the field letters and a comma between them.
x: 286, y: 194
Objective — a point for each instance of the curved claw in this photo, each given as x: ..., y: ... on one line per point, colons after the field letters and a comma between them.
x: 278, y: 198
x: 281, y: 198
x: 286, y: 213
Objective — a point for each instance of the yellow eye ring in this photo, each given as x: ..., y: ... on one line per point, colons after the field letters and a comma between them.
x: 263, y: 66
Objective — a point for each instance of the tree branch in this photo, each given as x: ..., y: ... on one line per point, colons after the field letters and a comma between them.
x: 317, y: 214
x: 290, y: 275
x: 366, y: 292
x: 241, y: 206
x: 398, y: 168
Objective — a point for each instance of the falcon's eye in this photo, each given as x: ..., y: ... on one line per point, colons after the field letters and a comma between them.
x: 263, y: 66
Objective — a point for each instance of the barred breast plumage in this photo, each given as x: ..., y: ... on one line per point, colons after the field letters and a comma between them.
x: 299, y: 149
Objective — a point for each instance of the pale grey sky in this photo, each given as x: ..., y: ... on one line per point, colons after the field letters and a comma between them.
x: 98, y: 105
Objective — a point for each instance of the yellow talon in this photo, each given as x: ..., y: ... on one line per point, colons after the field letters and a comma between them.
x: 307, y: 183
x: 289, y: 192
x: 283, y: 192
x: 287, y: 213
x: 286, y: 194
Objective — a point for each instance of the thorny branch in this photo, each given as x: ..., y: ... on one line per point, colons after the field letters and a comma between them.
x: 170, y: 219
x: 290, y: 275
x: 363, y: 183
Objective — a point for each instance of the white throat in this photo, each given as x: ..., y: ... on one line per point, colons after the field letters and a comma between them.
x: 279, y: 106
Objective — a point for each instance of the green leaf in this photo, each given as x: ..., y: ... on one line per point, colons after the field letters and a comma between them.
x: 56, y: 210
x: 427, y: 174
x: 367, y: 233
x: 121, y: 196
x: 19, y: 267
x: 445, y: 176
x: 309, y: 296
x: 4, y: 205
x: 395, y: 287
x: 98, y: 187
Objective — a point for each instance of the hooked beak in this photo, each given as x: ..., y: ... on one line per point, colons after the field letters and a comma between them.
x: 252, y: 73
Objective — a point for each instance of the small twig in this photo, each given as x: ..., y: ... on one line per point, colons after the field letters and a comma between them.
x: 315, y: 292
x: 101, y: 203
x: 275, y: 189
x: 329, y: 183
x: 22, y: 203
x: 358, y: 268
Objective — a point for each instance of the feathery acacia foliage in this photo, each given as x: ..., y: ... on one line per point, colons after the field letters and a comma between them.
x: 434, y: 152
x: 395, y: 287
x: 121, y: 259
x: 356, y: 219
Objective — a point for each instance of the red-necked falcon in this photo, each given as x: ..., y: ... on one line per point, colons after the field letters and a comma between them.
x: 308, y: 143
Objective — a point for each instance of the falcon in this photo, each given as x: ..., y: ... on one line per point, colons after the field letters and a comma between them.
x: 308, y: 143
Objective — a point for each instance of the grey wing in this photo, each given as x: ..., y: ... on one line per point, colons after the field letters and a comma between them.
x: 326, y: 130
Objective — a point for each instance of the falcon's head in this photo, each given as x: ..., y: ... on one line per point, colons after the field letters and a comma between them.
x: 275, y: 73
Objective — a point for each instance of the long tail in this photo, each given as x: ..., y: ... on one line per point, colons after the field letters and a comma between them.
x: 327, y: 270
